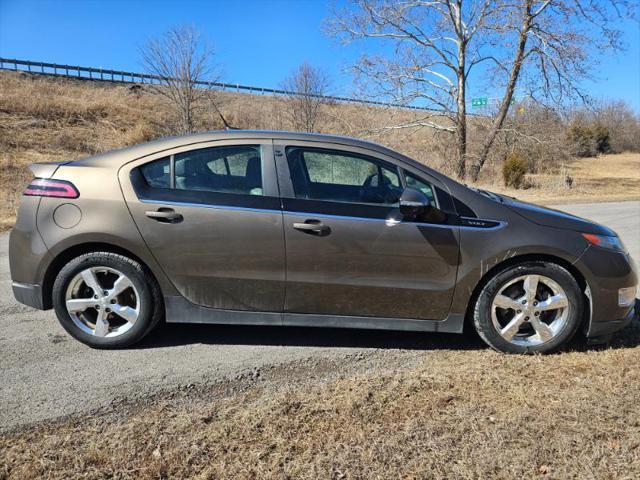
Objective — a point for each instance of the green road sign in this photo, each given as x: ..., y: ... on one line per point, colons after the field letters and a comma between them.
x: 479, y: 102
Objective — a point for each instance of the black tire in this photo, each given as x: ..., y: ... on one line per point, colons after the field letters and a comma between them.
x: 150, y: 298
x: 482, y: 309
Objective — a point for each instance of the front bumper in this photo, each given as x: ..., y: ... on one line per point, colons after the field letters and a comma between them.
x: 599, y: 329
x: 606, y: 272
x: 28, y: 294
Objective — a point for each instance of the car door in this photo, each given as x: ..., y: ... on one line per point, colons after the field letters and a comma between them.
x: 347, y: 253
x: 211, y: 217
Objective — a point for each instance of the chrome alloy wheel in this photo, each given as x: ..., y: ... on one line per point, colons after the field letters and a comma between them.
x: 530, y: 310
x: 102, y: 302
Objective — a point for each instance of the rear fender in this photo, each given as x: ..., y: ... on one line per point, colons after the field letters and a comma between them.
x: 102, y: 217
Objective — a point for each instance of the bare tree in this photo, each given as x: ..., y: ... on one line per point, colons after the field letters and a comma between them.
x: 557, y: 45
x: 182, y: 59
x: 439, y: 45
x: 307, y: 85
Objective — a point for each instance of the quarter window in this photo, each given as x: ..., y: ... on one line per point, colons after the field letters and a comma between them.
x: 158, y: 173
x: 329, y: 175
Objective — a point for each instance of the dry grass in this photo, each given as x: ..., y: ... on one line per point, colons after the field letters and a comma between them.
x: 43, y: 120
x: 606, y: 178
x: 47, y: 119
x: 457, y: 414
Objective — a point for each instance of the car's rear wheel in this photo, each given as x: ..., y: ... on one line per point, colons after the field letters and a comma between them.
x: 106, y: 300
x: 533, y: 307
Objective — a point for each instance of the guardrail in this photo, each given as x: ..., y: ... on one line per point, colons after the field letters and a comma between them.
x: 108, y: 75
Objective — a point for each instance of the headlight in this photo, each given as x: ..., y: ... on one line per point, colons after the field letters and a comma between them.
x: 605, y: 241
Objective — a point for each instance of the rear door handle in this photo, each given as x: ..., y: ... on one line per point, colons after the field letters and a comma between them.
x: 313, y: 226
x: 165, y: 215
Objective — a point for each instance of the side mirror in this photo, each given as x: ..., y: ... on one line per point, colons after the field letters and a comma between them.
x: 415, y: 205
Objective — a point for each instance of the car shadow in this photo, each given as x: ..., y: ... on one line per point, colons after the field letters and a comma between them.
x: 176, y: 334
x: 169, y: 335
x: 628, y: 337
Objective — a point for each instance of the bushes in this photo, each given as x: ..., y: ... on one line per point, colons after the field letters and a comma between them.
x: 622, y: 123
x: 514, y: 170
x: 601, y: 138
x: 588, y: 140
x: 606, y: 127
x: 537, y: 133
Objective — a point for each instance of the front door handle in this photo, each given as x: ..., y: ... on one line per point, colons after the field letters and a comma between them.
x: 165, y: 215
x: 312, y: 226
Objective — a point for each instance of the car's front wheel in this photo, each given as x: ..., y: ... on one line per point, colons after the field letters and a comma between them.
x: 106, y: 300
x: 533, y: 307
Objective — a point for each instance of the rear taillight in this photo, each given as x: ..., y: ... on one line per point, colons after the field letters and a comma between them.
x: 42, y: 187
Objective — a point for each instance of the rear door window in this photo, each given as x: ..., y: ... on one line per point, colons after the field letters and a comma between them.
x: 233, y: 169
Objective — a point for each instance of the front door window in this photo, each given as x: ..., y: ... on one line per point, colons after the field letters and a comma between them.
x: 328, y: 175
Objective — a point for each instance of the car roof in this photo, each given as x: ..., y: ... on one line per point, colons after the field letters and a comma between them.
x: 126, y: 154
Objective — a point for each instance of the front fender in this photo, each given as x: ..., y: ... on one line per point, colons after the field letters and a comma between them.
x: 482, y: 251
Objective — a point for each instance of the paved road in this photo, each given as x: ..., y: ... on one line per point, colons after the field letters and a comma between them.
x: 45, y: 374
x: 622, y: 217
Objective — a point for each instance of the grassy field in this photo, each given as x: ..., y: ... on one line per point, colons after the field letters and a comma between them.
x: 606, y: 178
x: 46, y: 119
x: 463, y: 413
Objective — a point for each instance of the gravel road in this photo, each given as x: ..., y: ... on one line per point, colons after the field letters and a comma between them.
x: 45, y: 374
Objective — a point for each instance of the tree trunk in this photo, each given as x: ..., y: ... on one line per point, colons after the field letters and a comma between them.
x: 187, y: 121
x: 498, y: 121
x: 461, y: 100
x: 461, y: 131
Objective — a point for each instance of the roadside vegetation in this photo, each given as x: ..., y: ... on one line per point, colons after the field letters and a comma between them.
x: 464, y: 413
x: 46, y: 119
